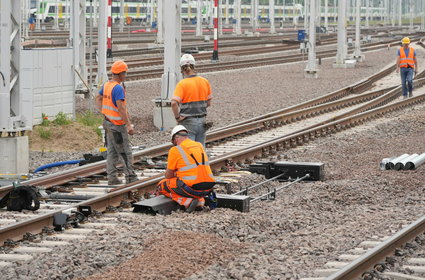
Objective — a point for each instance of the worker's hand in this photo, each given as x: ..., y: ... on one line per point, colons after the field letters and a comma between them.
x: 130, y: 129
x: 181, y: 118
x: 397, y: 70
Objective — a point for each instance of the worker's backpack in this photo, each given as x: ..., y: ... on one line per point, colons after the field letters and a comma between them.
x: 21, y: 197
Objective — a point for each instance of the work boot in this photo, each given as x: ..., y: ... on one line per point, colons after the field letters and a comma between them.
x: 114, y: 181
x: 131, y: 179
x: 404, y: 96
x: 192, y: 206
x: 410, y: 94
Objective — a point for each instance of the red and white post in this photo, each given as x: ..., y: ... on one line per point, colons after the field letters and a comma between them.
x: 215, y: 51
x: 109, y: 30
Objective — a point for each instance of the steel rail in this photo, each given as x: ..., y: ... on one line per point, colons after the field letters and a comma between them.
x: 242, y: 127
x: 386, y: 248
x: 157, y: 72
x: 35, y: 225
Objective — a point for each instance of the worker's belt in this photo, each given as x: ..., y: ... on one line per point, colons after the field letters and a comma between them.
x: 184, y: 190
x: 198, y: 117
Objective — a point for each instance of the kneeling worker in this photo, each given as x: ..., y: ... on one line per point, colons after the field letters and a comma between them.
x: 188, y: 178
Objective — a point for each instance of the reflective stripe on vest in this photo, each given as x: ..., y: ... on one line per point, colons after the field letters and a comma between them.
x: 108, y: 107
x: 407, y: 61
x: 196, y: 108
x: 192, y: 178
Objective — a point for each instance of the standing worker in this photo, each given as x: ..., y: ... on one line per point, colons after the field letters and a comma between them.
x: 191, y: 98
x: 111, y: 101
x: 31, y: 22
x: 188, y: 178
x: 407, y: 64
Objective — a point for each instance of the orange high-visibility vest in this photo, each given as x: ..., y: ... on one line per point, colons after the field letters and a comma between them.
x: 407, y: 61
x: 108, y: 107
x: 197, y: 169
x: 193, y: 93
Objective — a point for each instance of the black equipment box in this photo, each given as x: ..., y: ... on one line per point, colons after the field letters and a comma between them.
x: 156, y: 205
x: 291, y: 170
x: 236, y: 202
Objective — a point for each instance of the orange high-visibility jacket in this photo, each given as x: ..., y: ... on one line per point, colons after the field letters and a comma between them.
x: 108, y: 107
x: 193, y: 93
x: 407, y: 61
x: 191, y: 162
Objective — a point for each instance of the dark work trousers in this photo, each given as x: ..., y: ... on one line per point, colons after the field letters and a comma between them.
x: 406, y: 74
x: 118, y: 146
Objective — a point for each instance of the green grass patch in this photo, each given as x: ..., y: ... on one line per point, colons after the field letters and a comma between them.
x: 62, y: 119
x: 88, y: 118
x: 44, y: 133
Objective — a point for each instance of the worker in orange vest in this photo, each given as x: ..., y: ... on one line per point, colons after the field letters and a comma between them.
x: 188, y: 178
x: 191, y: 98
x: 407, y: 64
x: 111, y: 101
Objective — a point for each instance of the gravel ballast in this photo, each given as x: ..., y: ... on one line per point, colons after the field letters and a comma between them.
x: 237, y: 95
x: 306, y: 226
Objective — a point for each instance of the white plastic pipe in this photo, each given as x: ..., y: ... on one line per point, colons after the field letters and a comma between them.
x: 391, y: 164
x: 400, y: 165
x: 415, y: 163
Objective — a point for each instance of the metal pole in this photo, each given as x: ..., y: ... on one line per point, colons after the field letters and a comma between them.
x: 10, y: 55
x: 271, y: 16
x: 160, y: 22
x: 215, y: 51
x: 227, y: 12
x: 306, y: 13
x: 367, y: 14
x: 38, y: 14
x: 121, y: 15
x: 95, y: 16
x: 151, y: 12
x: 411, y: 17
x: 238, y: 16
x: 326, y: 15
x: 67, y: 13
x: 342, y: 35
x: 335, y: 7
x: 252, y: 15
x: 211, y: 14
x: 199, y: 18
x: 56, y: 26
x: 78, y: 36
x: 311, y: 69
x: 399, y: 12
x: 102, y: 42
x: 90, y: 82
x: 109, y: 31
x: 423, y: 15
x: 357, y: 52
x: 163, y: 116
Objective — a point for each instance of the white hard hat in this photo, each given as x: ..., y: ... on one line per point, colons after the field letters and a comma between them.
x: 187, y: 59
x: 177, y: 129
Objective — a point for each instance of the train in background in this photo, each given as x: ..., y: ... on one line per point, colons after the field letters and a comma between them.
x: 138, y: 10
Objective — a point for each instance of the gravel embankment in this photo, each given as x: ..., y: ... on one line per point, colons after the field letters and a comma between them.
x: 306, y: 226
x: 238, y: 94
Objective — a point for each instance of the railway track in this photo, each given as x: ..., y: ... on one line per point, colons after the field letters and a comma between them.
x: 140, y: 74
x: 372, y: 259
x: 372, y: 106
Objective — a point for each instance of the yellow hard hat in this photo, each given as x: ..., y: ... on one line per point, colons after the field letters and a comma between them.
x: 405, y: 40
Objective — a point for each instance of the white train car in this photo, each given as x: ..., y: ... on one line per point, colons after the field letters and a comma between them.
x: 139, y: 10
